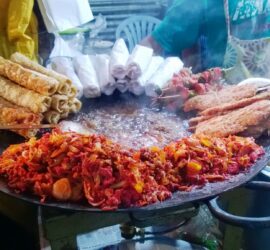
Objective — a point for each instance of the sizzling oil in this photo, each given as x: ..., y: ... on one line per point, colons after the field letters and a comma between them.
x: 134, y: 127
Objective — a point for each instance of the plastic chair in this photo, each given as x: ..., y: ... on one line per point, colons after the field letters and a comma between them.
x: 134, y: 29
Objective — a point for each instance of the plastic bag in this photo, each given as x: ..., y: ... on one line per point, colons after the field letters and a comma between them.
x: 18, y: 28
x: 202, y: 229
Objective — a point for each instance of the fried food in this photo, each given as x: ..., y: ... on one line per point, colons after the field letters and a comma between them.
x: 195, y: 120
x: 216, y: 98
x: 23, y: 97
x: 52, y: 116
x: 60, y: 103
x: 12, y: 115
x: 221, y: 109
x: 27, y: 78
x: 65, y: 83
x: 236, y: 121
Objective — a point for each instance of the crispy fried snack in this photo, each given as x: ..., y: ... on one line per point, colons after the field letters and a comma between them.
x: 64, y: 82
x: 224, y: 108
x: 11, y: 114
x: 27, y: 78
x: 215, y: 98
x: 23, y: 97
x: 236, y: 121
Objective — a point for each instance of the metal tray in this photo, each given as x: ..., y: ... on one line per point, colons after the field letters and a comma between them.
x: 177, y: 200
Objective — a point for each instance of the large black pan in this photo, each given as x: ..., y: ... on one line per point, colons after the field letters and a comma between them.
x: 178, y: 199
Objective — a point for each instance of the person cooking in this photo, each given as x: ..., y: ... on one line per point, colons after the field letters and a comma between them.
x: 232, y: 34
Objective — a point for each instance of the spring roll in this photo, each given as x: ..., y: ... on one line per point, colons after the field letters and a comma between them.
x: 72, y: 92
x: 60, y: 103
x: 23, y: 97
x: 64, y: 89
x: 64, y: 66
x: 27, y: 63
x: 11, y: 114
x: 6, y: 104
x: 14, y: 116
x: 64, y: 114
x: 74, y: 105
x: 52, y: 116
x: 27, y: 78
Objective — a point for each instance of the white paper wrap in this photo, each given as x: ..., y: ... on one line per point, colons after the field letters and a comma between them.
x: 60, y: 15
x: 138, y: 61
x: 137, y: 86
x: 119, y: 58
x: 164, y: 73
x: 64, y: 65
x: 106, y: 81
x: 87, y: 75
x: 122, y: 85
x: 109, y: 90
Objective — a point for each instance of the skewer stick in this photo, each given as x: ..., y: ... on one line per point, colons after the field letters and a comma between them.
x: 165, y: 89
x: 168, y: 97
x: 263, y: 89
x: 26, y: 126
x: 192, y: 129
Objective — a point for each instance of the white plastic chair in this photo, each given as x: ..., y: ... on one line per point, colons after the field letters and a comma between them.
x: 134, y: 29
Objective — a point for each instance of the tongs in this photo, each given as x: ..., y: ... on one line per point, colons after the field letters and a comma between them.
x: 263, y: 89
x: 263, y: 84
x: 26, y: 126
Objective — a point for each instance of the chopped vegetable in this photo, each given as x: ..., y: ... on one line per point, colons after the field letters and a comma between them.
x: 72, y: 167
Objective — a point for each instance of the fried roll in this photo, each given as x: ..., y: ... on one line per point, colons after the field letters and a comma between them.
x: 52, y: 116
x: 28, y: 78
x: 24, y: 97
x: 64, y: 114
x: 72, y: 92
x: 11, y: 114
x: 74, y: 105
x: 64, y: 82
x: 60, y: 103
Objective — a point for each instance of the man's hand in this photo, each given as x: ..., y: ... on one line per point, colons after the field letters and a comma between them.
x: 150, y: 42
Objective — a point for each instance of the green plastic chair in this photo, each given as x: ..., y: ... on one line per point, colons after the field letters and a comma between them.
x: 135, y: 28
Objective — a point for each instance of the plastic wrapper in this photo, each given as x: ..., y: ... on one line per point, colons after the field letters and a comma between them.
x: 62, y: 49
x: 122, y: 85
x: 137, y: 86
x: 106, y: 81
x: 138, y: 61
x: 119, y: 58
x: 87, y: 75
x: 109, y: 90
x: 202, y: 229
x: 57, y: 18
x: 164, y: 73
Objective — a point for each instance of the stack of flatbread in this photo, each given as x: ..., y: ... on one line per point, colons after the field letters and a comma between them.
x: 30, y: 93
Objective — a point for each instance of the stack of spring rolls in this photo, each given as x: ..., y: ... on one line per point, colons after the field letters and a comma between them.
x: 30, y: 93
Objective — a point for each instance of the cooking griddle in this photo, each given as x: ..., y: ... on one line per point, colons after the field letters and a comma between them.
x: 178, y: 199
